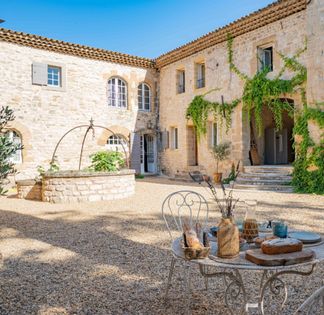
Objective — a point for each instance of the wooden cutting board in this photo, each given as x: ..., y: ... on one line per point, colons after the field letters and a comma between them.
x: 256, y: 256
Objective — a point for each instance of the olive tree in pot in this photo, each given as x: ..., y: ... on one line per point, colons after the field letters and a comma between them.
x: 221, y: 152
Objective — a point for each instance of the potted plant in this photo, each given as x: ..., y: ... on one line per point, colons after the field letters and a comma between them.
x: 221, y: 152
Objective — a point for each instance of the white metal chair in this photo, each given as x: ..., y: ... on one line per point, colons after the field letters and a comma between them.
x: 314, y: 305
x: 176, y: 207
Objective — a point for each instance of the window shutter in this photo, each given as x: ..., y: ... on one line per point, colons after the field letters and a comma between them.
x: 165, y: 140
x: 210, y: 135
x: 39, y: 73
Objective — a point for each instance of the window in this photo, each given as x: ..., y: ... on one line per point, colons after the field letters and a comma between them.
x: 116, y: 140
x: 200, y: 75
x: 265, y: 56
x: 117, y: 93
x: 181, y: 82
x: 144, y: 97
x: 214, y: 134
x: 14, y: 137
x: 48, y: 75
x: 174, y: 138
x: 53, y: 76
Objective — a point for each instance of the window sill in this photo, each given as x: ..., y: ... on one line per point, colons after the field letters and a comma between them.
x: 54, y: 88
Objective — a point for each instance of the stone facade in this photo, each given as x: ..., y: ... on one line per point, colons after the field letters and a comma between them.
x: 65, y: 187
x: 286, y: 36
x: 44, y: 114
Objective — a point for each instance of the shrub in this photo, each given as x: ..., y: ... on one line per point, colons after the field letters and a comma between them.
x: 107, y: 161
x: 221, y: 152
x: 7, y: 147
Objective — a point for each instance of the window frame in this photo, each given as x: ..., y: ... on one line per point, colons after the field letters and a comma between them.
x: 200, y: 75
x: 142, y: 104
x: 59, y: 76
x: 181, y: 76
x: 11, y: 134
x: 261, y: 53
x: 214, y: 140
x: 114, y: 94
x: 174, y: 138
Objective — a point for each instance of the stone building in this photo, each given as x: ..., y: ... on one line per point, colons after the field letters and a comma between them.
x: 54, y: 86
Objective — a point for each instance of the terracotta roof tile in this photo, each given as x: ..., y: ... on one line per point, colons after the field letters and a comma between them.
x: 45, y: 43
x: 273, y: 12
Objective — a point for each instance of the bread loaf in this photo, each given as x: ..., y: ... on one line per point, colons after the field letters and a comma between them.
x: 281, y: 246
x: 259, y: 240
x: 191, y: 237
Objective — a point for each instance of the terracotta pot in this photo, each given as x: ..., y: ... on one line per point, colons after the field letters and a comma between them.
x: 218, y: 177
x: 228, y: 239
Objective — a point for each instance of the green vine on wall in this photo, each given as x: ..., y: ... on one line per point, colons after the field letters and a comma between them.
x: 200, y: 108
x: 260, y: 91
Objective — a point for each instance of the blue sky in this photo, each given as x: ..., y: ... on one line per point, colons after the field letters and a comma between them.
x: 145, y: 28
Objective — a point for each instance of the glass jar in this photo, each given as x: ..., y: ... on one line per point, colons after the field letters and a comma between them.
x: 250, y: 224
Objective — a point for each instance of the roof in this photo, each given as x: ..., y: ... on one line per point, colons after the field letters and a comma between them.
x: 54, y: 45
x: 273, y: 12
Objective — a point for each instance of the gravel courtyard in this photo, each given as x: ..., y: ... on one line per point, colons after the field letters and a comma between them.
x: 113, y: 257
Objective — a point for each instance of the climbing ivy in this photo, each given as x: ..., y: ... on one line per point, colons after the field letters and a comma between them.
x: 200, y: 108
x: 309, y: 164
x: 260, y: 91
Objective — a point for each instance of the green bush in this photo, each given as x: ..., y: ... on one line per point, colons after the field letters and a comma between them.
x: 7, y: 147
x: 107, y: 161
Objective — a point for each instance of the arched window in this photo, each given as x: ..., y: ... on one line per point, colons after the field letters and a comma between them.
x: 116, y: 140
x: 117, y: 93
x: 14, y: 137
x: 144, y: 97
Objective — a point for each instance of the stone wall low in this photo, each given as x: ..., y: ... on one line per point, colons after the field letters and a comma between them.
x: 79, y: 186
x: 29, y: 189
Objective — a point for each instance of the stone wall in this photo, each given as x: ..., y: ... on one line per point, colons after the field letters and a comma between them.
x: 29, y: 189
x: 44, y: 114
x: 78, y: 186
x: 287, y: 36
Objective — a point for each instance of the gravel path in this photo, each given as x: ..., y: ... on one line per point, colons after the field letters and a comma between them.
x: 113, y: 257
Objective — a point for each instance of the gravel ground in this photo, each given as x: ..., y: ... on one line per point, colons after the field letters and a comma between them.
x: 113, y: 257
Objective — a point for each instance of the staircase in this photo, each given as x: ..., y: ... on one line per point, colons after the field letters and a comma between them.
x: 265, y: 177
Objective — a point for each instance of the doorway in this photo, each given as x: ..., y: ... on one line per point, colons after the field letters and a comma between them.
x: 148, y: 156
x: 192, y: 147
x: 276, y: 146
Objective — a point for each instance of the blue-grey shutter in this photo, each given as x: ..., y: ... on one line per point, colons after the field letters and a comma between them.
x: 135, y: 152
x: 39, y: 73
x: 165, y: 140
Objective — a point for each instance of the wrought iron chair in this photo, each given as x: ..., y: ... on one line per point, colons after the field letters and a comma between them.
x: 314, y: 304
x: 176, y: 207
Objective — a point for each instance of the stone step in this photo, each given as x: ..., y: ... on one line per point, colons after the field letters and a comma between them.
x: 266, y: 169
x: 262, y: 176
x: 278, y: 188
x: 263, y: 181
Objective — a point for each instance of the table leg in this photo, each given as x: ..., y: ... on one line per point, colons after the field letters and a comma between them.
x: 234, y: 289
x: 278, y: 287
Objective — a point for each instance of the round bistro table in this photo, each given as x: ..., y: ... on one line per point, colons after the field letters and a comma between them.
x: 236, y: 297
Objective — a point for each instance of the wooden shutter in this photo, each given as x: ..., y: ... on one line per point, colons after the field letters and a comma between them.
x: 135, y: 152
x: 39, y: 73
x: 165, y: 140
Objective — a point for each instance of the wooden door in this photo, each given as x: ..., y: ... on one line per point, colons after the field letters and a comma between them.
x: 192, y: 148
